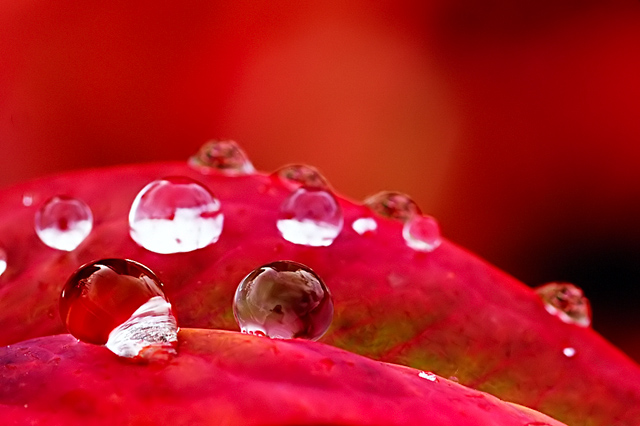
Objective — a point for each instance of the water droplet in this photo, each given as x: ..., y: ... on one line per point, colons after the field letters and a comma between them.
x: 567, y: 302
x: 3, y: 261
x: 27, y: 200
x: 284, y: 300
x: 393, y: 205
x: 63, y: 222
x: 119, y: 303
x: 174, y: 215
x: 569, y: 352
x: 364, y: 225
x: 310, y: 217
x: 422, y: 233
x: 224, y: 157
x: 294, y: 176
x: 429, y: 376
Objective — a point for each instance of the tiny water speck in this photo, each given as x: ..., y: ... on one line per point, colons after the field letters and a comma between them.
x: 27, y: 200
x: 428, y: 375
x: 63, y: 222
x: 294, y: 176
x: 285, y: 300
x: 3, y: 261
x: 567, y: 302
x: 310, y: 217
x: 119, y: 303
x: 225, y: 157
x: 569, y: 352
x: 364, y: 225
x: 422, y: 233
x: 393, y: 205
x: 175, y: 215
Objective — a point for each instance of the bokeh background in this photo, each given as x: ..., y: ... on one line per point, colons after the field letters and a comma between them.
x: 517, y: 124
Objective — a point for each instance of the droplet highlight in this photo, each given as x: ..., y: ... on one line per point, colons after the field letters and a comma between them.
x: 225, y: 157
x: 429, y: 376
x: 119, y: 303
x: 364, y: 225
x: 175, y: 215
x: 283, y: 300
x: 310, y: 217
x: 393, y: 205
x: 567, y: 302
x: 3, y: 261
x: 569, y: 352
x: 294, y: 176
x: 422, y: 233
x: 63, y: 222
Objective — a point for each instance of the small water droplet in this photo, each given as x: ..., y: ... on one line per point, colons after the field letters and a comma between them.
x: 429, y: 376
x: 174, y: 215
x: 3, y: 261
x: 27, y: 200
x: 567, y: 302
x: 569, y: 352
x: 393, y: 205
x: 294, y: 176
x: 310, y: 217
x: 284, y: 300
x: 224, y: 157
x: 422, y: 233
x: 119, y: 303
x: 63, y: 222
x: 364, y: 225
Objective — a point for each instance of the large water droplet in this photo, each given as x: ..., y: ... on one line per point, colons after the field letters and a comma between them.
x: 285, y: 300
x: 63, y: 222
x: 567, y: 302
x: 224, y: 157
x: 364, y: 225
x: 3, y: 261
x: 310, y: 217
x: 175, y: 214
x: 119, y: 303
x: 393, y: 205
x: 422, y: 233
x: 294, y: 176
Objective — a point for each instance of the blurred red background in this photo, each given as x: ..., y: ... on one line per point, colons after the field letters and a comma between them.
x: 516, y: 124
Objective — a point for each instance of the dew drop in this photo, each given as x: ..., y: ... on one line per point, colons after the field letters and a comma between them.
x: 63, y: 222
x: 175, y: 215
x: 569, y: 352
x: 224, y: 157
x: 119, y: 303
x: 27, y: 200
x: 429, y: 376
x: 3, y: 261
x: 422, y: 233
x: 567, y: 302
x: 310, y: 217
x: 364, y: 225
x: 393, y: 205
x: 294, y: 176
x: 283, y: 300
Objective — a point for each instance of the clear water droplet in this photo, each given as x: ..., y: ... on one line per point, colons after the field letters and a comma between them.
x: 27, y: 200
x: 393, y: 205
x: 175, y: 215
x: 294, y: 176
x: 119, y: 303
x: 310, y: 217
x: 569, y: 352
x: 364, y: 225
x: 224, y: 157
x: 63, y: 222
x: 422, y: 233
x: 3, y: 261
x: 429, y: 376
x: 567, y: 302
x: 284, y: 300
